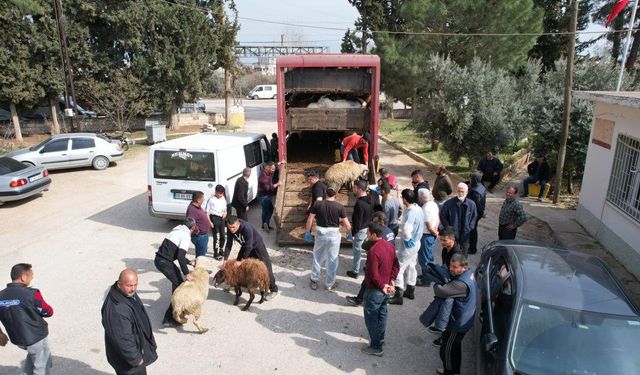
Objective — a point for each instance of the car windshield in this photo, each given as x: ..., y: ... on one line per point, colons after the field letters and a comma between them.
x: 39, y: 145
x: 8, y: 165
x: 552, y: 340
x: 184, y: 165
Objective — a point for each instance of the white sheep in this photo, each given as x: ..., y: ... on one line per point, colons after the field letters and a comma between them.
x: 345, y: 173
x: 189, y: 296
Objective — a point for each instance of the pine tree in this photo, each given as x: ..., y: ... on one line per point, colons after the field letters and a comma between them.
x: 347, y: 43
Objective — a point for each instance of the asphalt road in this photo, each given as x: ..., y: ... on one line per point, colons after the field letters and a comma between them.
x: 91, y: 224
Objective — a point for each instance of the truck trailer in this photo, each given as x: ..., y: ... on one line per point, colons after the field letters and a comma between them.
x: 320, y: 100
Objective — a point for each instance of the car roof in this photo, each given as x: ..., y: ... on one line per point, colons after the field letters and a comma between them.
x: 569, y: 279
x: 207, y: 141
x: 67, y: 135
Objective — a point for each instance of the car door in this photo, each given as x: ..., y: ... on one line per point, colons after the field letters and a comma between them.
x: 54, y: 154
x: 83, y: 149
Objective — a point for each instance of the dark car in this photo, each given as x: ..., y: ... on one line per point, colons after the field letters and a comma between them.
x: 19, y: 180
x: 546, y: 310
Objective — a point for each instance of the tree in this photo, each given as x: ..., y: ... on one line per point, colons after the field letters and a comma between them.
x: 347, y: 45
x: 557, y: 17
x: 18, y: 74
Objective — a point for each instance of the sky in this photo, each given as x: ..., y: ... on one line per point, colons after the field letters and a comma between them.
x: 325, y: 13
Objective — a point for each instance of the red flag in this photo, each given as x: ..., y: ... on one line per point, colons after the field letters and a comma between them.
x: 617, y: 8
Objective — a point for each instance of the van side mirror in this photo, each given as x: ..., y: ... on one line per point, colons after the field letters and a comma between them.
x: 489, y: 342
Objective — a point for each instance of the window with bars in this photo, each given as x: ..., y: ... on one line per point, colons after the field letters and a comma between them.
x: 624, y: 186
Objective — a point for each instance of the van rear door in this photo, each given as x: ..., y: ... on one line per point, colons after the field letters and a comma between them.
x: 176, y: 175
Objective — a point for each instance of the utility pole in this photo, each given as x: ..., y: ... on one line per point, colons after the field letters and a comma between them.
x: 566, y: 115
x: 68, y: 71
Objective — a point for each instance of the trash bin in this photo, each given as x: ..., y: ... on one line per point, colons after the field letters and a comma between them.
x: 236, y: 119
x: 156, y: 132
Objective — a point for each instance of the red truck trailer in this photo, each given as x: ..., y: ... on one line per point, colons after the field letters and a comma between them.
x: 321, y: 99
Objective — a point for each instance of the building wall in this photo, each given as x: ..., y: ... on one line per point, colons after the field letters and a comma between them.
x: 615, y: 230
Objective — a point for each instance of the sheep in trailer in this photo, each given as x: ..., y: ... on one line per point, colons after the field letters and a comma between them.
x: 251, y: 274
x: 189, y: 296
x: 345, y: 173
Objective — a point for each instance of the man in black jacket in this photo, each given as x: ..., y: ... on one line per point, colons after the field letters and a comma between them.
x: 360, y: 219
x: 251, y: 246
x: 22, y: 310
x: 174, y: 247
x: 491, y: 169
x: 418, y: 182
x: 539, y: 173
x: 128, y: 337
x: 240, y: 200
x: 478, y: 194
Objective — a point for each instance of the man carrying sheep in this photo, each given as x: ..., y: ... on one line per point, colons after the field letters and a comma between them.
x: 128, y: 335
x: 251, y: 246
x: 174, y: 247
x: 350, y: 146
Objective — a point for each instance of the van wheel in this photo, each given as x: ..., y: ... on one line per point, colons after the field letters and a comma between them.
x: 274, y: 96
x: 254, y: 97
x: 100, y: 162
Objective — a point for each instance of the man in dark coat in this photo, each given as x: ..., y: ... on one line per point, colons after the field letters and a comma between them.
x: 240, y: 200
x: 539, y: 173
x: 418, y: 182
x: 478, y: 195
x: 251, y: 246
x: 128, y: 335
x: 491, y: 169
x: 460, y: 213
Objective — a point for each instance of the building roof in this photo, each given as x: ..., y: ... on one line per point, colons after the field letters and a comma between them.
x: 570, y: 279
x: 624, y: 98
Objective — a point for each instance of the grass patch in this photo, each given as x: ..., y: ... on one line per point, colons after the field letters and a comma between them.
x: 397, y: 131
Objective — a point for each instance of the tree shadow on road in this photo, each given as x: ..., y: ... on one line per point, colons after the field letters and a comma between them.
x: 61, y: 366
x: 133, y: 214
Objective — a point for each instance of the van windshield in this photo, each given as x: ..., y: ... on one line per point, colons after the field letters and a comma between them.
x: 184, y: 165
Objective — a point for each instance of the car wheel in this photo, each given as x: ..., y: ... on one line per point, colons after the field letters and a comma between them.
x: 125, y: 146
x: 100, y: 162
x: 254, y: 97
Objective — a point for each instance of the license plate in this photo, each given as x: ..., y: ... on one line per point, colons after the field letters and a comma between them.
x: 35, y: 178
x: 185, y: 196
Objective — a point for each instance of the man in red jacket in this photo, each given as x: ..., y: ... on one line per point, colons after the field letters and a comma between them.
x: 351, y: 144
x: 380, y: 274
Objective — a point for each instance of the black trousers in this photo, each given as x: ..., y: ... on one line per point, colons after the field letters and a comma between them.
x: 141, y: 371
x: 172, y: 272
x: 451, y: 351
x: 263, y: 255
x: 473, y: 239
x: 241, y: 212
x: 464, y: 246
x: 506, y: 234
x: 218, y: 232
x: 493, y: 180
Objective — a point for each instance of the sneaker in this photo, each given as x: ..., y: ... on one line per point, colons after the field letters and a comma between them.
x: 217, y: 257
x: 434, y: 330
x: 313, y: 285
x: 333, y: 287
x: 371, y: 351
x: 271, y: 296
x: 266, y: 227
x: 352, y: 274
x: 437, y: 342
x: 440, y: 371
x: 354, y: 301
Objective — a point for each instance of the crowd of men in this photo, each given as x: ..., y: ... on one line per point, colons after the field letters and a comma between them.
x: 397, y: 234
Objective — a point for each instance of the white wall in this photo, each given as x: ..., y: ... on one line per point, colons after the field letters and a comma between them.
x: 609, y: 220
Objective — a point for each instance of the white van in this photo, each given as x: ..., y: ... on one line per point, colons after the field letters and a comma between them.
x: 199, y: 162
x: 263, y: 92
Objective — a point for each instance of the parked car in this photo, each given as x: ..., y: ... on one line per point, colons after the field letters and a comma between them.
x: 263, y: 92
x: 20, y: 181
x: 70, y: 151
x: 545, y: 310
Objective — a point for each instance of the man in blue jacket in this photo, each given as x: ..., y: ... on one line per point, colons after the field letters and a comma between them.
x: 22, y: 310
x: 461, y: 214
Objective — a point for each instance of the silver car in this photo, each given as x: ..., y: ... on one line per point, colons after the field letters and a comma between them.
x: 71, y: 151
x: 19, y: 181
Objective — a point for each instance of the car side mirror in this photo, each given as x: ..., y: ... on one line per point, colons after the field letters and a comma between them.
x: 489, y: 342
x: 41, y: 151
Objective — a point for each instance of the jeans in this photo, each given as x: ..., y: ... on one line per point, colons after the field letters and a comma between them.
x: 352, y: 155
x: 533, y: 180
x: 375, y: 315
x: 437, y: 313
x: 407, y: 257
x: 38, y: 361
x: 425, y: 254
x: 201, y: 242
x: 267, y: 208
x: 358, y: 239
x: 173, y: 273
x: 327, y: 245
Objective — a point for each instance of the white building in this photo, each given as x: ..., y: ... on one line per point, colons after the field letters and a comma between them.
x: 609, y: 206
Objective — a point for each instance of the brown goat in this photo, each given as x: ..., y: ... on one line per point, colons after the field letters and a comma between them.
x: 251, y: 274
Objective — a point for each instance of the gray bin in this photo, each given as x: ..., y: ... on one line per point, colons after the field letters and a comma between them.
x: 155, y: 133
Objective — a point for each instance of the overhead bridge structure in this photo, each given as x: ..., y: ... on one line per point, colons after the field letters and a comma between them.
x: 272, y: 51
